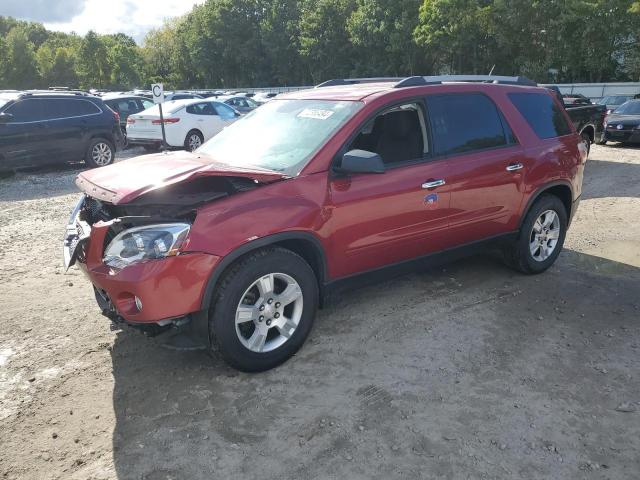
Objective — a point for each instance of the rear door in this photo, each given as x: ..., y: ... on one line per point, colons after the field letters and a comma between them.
x: 382, y: 219
x: 485, y: 165
x: 70, y: 121
x: 205, y: 118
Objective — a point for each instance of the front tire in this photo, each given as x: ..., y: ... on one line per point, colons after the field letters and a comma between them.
x: 263, y: 309
x: 100, y: 153
x: 541, y: 237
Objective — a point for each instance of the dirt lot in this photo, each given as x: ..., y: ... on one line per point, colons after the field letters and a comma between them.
x: 467, y: 371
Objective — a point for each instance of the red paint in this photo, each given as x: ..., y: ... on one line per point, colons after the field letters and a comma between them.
x: 363, y: 222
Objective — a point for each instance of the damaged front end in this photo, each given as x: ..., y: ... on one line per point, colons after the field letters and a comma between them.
x: 136, y: 256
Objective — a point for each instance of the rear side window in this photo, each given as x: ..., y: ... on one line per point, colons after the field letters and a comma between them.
x: 57, y: 108
x: 226, y: 112
x: 29, y: 110
x: 201, y: 109
x: 542, y: 114
x: 466, y: 122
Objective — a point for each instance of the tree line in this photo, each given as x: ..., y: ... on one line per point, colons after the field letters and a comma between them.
x: 235, y: 43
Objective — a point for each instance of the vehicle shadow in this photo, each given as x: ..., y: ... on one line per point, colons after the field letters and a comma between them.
x: 366, y: 392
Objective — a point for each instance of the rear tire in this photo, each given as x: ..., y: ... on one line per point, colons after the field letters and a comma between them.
x: 535, y: 250
x: 249, y: 331
x: 100, y: 153
x: 193, y: 140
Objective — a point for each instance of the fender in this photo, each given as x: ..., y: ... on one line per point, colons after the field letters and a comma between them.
x: 534, y: 196
x: 261, y: 243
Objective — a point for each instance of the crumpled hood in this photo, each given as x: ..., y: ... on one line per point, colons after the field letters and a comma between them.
x: 124, y: 181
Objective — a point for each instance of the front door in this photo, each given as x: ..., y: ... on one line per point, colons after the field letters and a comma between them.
x: 382, y: 219
x: 23, y: 138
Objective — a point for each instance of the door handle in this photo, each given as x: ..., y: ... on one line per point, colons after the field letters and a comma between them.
x: 514, y: 166
x: 433, y: 183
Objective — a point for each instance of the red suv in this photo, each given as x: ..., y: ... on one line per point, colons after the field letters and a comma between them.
x: 237, y: 243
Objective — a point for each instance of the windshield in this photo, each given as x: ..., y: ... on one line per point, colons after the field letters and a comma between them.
x: 281, y: 135
x: 629, y: 108
x: 614, y: 100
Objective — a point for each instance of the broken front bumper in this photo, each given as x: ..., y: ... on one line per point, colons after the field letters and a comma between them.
x: 151, y: 291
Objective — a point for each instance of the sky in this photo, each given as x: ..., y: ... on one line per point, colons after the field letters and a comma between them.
x: 133, y: 17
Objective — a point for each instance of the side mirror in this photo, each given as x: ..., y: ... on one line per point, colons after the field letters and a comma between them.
x: 5, y: 117
x: 361, y: 161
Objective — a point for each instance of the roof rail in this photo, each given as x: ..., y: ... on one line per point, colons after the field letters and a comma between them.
x: 355, y: 81
x: 438, y: 79
x: 56, y: 92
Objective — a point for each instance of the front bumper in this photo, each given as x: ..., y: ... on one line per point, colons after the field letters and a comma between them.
x: 166, y: 288
x: 626, y: 136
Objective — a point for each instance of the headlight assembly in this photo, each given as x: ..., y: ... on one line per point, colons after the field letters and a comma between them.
x: 146, y: 243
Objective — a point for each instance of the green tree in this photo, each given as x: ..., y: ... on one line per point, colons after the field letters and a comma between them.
x: 382, y: 32
x: 92, y: 61
x: 20, y: 70
x: 56, y: 65
x: 325, y: 46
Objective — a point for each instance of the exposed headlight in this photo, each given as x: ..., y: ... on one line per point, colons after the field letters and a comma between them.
x: 146, y: 243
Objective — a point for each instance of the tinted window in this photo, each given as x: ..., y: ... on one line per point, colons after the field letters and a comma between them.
x: 28, y: 110
x: 541, y: 113
x: 146, y: 104
x: 201, y: 109
x: 464, y: 123
x: 225, y: 111
x: 125, y: 106
x: 68, y: 107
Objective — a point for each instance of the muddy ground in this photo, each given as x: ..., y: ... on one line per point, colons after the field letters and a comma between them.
x: 466, y: 371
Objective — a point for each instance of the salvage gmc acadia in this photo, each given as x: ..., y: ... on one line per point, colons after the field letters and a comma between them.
x: 235, y: 245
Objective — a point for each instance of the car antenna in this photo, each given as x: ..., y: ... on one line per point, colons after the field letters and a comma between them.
x: 491, y: 71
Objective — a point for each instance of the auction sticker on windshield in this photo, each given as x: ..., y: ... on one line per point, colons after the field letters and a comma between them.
x: 315, y: 113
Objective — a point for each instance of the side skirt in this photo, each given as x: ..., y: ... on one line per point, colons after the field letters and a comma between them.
x: 382, y: 274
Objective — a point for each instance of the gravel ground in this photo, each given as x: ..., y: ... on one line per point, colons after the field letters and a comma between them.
x: 466, y: 371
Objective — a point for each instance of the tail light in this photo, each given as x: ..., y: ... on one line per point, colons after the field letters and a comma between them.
x: 166, y: 120
x: 131, y: 121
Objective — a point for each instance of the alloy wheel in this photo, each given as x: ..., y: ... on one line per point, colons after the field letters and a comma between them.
x: 194, y: 141
x: 269, y: 312
x: 544, y: 236
x: 101, y: 154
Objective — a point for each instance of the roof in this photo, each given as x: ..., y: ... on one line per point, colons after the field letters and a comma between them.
x: 353, y: 92
x: 357, y: 89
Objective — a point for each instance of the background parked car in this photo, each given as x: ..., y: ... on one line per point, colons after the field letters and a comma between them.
x: 614, y: 101
x: 42, y: 127
x: 240, y: 103
x: 264, y: 97
x: 623, y: 125
x: 180, y: 96
x: 125, y: 105
x: 187, y: 123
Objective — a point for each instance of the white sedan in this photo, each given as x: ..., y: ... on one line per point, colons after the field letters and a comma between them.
x: 187, y: 123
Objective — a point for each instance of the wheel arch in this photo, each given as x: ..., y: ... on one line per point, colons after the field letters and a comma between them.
x: 589, y: 130
x: 560, y: 189
x: 305, y: 244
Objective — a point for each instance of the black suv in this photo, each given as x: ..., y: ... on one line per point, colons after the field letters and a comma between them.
x: 43, y: 127
x: 125, y: 105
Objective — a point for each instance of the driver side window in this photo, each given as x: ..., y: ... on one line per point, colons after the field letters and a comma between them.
x: 398, y: 134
